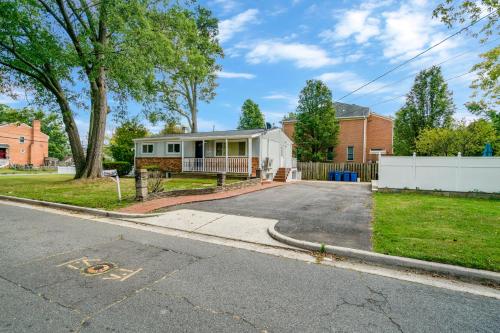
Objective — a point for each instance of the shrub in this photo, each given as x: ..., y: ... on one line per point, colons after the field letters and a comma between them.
x: 123, y: 168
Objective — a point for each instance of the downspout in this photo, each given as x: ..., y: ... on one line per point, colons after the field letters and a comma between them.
x: 364, y: 138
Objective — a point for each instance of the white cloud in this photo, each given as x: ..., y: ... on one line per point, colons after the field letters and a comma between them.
x: 228, y: 28
x: 291, y: 100
x: 357, y: 23
x: 347, y: 81
x: 226, y: 5
x: 233, y: 75
x: 302, y: 55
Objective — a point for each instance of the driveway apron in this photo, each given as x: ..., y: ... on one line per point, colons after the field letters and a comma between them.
x: 324, y: 212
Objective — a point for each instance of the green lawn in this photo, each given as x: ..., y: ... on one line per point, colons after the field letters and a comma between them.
x: 459, y: 231
x: 89, y: 193
x: 5, y: 171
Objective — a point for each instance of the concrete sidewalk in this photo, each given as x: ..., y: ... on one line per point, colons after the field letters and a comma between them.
x: 242, y: 228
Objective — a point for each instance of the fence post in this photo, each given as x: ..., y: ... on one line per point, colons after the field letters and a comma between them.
x: 458, y: 172
x: 414, y: 170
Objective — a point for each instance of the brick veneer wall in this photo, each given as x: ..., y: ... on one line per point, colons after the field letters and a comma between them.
x: 350, y: 134
x: 379, y: 132
x: 170, y: 164
x: 378, y: 135
x: 34, y: 149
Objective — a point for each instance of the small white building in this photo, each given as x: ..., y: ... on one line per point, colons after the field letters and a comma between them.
x: 239, y: 152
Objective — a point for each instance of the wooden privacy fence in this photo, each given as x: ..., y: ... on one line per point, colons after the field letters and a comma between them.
x: 319, y: 171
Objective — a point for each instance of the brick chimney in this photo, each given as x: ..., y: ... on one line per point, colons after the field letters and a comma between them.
x: 36, y: 127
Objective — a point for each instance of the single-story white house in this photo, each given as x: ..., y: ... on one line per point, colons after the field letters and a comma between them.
x: 239, y: 152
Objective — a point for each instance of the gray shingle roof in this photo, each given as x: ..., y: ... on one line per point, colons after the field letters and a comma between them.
x: 231, y: 133
x: 350, y: 110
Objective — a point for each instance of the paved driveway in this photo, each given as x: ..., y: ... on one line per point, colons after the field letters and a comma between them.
x: 324, y: 212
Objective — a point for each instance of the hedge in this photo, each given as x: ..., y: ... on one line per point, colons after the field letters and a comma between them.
x: 123, y: 168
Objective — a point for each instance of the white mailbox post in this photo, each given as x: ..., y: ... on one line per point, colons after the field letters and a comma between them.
x: 113, y: 174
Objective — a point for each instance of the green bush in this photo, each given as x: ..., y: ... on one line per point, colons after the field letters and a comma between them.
x: 123, y: 168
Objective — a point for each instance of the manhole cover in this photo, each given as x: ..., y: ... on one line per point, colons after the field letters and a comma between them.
x: 98, y: 268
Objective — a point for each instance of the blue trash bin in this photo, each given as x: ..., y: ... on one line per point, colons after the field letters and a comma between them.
x: 338, y: 176
x: 354, y: 176
x: 331, y: 175
x: 346, y: 176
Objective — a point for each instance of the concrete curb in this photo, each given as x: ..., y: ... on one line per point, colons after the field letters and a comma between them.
x: 78, y: 209
x: 387, y: 260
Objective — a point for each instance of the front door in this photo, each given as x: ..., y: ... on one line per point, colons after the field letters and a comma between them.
x: 198, y: 151
x: 3, y: 153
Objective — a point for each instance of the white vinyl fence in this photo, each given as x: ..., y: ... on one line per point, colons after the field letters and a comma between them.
x: 460, y: 174
x: 66, y: 170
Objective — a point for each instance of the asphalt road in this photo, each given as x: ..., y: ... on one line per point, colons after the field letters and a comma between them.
x: 322, y: 212
x: 169, y: 284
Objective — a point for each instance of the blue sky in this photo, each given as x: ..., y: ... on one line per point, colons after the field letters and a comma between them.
x: 272, y: 47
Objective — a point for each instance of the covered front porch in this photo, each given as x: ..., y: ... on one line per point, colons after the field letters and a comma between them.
x: 214, y: 156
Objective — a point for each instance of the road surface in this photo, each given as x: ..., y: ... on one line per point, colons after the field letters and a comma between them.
x: 161, y: 283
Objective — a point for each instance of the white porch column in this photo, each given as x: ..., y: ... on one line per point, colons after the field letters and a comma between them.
x: 226, y: 155
x: 182, y: 155
x: 249, y: 149
x: 203, y: 154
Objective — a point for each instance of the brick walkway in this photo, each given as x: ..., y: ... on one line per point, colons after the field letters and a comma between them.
x: 149, y: 206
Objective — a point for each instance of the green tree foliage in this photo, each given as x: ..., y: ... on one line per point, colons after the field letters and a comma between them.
x: 317, y: 128
x: 172, y: 126
x: 51, y: 125
x: 188, y: 75
x: 469, y: 140
x: 121, y: 145
x: 251, y: 117
x: 486, y: 85
x: 112, y: 46
x: 429, y: 104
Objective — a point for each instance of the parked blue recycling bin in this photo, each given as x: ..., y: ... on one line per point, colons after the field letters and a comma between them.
x: 354, y: 176
x: 331, y: 175
x: 346, y: 176
x: 338, y: 176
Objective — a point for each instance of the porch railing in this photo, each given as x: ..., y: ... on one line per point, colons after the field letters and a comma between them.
x: 4, y: 162
x: 215, y: 164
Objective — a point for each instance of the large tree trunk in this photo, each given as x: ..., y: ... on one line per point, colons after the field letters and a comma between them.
x: 73, y: 136
x: 99, y: 103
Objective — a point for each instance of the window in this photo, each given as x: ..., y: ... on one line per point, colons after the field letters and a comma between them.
x: 350, y: 153
x: 21, y: 139
x: 220, y: 149
x: 376, y: 151
x: 147, y: 148
x: 173, y: 148
x: 241, y: 148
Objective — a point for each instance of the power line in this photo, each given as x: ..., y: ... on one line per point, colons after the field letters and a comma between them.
x: 393, y: 98
x: 25, y: 138
x: 415, y: 57
x: 413, y: 74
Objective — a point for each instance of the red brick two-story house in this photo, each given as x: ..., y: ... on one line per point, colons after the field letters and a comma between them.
x: 363, y: 134
x: 23, y: 144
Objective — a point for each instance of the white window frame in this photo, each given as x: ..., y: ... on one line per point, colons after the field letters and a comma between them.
x: 347, y: 153
x: 147, y: 144
x: 377, y: 151
x: 173, y: 152
x: 22, y: 139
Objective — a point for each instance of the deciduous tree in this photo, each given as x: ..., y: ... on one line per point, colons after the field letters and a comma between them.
x: 317, y: 128
x: 429, y: 104
x: 122, y: 144
x: 251, y: 117
x: 112, y: 45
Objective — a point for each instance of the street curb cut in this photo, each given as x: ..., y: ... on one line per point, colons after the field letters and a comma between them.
x: 78, y: 209
x: 387, y: 260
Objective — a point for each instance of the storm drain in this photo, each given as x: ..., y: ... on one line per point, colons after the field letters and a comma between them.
x: 98, y: 268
